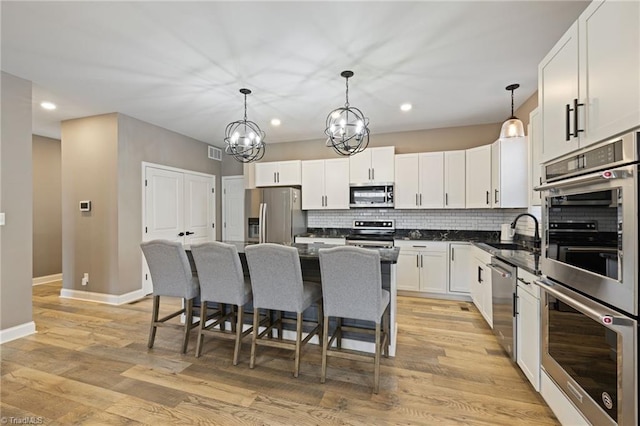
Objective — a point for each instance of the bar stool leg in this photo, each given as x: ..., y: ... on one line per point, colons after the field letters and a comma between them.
x: 376, y: 368
x: 325, y: 347
x: 254, y: 336
x: 385, y: 325
x: 154, y: 320
x: 298, y: 343
x: 188, y: 320
x: 279, y: 321
x: 238, y: 330
x: 339, y: 332
x: 203, y: 321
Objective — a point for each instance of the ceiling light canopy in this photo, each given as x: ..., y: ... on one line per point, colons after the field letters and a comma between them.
x: 406, y: 107
x: 346, y: 127
x: 513, y: 127
x: 243, y: 138
x: 48, y: 105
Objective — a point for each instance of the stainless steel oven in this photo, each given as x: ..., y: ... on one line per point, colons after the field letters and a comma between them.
x: 596, y: 187
x: 590, y: 278
x: 590, y: 351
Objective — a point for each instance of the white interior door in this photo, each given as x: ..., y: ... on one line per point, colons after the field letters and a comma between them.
x: 179, y: 206
x: 233, y: 208
x: 164, y: 205
x: 198, y: 209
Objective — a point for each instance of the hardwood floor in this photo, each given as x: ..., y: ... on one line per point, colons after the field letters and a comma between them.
x: 89, y: 364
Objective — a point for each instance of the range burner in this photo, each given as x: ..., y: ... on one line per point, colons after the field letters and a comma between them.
x: 372, y: 233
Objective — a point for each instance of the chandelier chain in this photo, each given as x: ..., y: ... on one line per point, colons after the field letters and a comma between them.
x: 346, y: 104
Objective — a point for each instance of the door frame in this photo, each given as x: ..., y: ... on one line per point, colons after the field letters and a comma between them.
x: 223, y: 198
x: 144, y: 164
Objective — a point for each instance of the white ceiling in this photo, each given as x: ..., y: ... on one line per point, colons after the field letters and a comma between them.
x: 179, y: 65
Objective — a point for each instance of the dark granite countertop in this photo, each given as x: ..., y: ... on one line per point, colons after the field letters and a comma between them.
x: 326, y: 233
x: 447, y: 235
x: 525, y: 259
x: 310, y: 251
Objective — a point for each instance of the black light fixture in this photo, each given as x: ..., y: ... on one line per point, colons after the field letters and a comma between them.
x: 513, y: 127
x: 243, y: 138
x: 346, y: 127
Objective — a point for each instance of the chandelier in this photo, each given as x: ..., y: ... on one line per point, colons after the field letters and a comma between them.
x: 346, y: 127
x: 243, y: 138
x: 513, y: 127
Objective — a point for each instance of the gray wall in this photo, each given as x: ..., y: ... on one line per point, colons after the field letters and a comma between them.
x: 16, y: 202
x: 102, y: 161
x: 139, y: 141
x: 47, y: 207
x: 445, y: 139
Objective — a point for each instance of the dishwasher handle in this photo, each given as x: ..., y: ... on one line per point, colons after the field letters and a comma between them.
x: 500, y: 270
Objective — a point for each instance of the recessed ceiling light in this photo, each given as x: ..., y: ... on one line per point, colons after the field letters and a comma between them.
x: 48, y: 105
x: 406, y: 107
x: 275, y: 122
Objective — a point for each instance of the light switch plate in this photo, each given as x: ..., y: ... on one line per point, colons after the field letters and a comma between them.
x: 1, y: 219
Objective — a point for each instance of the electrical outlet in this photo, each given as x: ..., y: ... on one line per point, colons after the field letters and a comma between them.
x: 85, y: 278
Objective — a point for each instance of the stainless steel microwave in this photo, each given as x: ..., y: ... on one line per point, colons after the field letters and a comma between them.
x: 374, y: 196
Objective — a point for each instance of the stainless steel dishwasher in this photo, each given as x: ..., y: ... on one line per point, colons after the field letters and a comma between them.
x: 503, y: 282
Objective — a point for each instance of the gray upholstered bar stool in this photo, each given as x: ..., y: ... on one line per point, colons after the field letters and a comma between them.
x: 276, y: 279
x: 171, y: 276
x: 352, y: 288
x: 222, y: 281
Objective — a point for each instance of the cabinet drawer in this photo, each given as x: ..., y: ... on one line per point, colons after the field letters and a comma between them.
x: 526, y: 281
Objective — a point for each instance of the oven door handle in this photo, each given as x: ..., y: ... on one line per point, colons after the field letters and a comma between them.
x: 602, y: 315
x: 618, y: 173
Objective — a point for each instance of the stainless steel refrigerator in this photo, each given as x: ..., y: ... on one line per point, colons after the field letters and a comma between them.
x: 274, y: 215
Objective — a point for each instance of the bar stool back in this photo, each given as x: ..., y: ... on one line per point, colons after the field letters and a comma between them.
x: 221, y: 281
x: 276, y: 279
x: 171, y: 276
x: 352, y: 288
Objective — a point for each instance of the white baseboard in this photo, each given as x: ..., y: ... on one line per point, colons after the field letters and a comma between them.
x: 47, y: 279
x: 109, y: 299
x: 17, y: 332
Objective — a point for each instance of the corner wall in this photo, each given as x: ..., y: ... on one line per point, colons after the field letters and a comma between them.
x: 16, y: 244
x: 47, y: 207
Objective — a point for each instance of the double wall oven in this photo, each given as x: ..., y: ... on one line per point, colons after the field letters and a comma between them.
x: 590, y: 278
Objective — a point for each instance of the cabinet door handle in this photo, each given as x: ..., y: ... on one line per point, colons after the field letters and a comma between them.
x: 446, y: 199
x: 373, y: 174
x: 567, y: 120
x: 487, y: 197
x: 479, y: 274
x: 421, y: 261
x: 495, y: 196
x: 326, y: 201
x: 515, y: 303
x: 416, y: 199
x: 369, y: 174
x: 274, y: 177
x: 189, y: 233
x: 278, y: 177
x: 453, y: 254
x: 576, y: 130
x: 420, y: 199
x: 417, y: 260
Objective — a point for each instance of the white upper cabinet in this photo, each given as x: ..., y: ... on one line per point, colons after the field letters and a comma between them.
x: 419, y: 181
x: 454, y: 179
x: 373, y: 165
x: 325, y: 184
x: 478, y: 177
x: 278, y: 173
x: 535, y: 151
x: 510, y: 173
x: 589, y: 83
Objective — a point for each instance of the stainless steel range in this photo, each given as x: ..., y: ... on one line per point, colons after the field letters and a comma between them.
x: 372, y: 233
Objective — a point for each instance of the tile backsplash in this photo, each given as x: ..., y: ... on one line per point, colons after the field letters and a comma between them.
x: 459, y: 219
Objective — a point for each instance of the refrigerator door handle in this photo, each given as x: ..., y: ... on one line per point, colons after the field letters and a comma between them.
x: 261, y: 233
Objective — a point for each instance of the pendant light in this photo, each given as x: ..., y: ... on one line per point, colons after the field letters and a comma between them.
x: 346, y: 127
x: 513, y: 127
x: 243, y: 138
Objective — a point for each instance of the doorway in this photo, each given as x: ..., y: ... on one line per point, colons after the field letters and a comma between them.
x: 233, y: 208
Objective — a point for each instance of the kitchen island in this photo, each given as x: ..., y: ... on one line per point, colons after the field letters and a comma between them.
x: 310, y: 264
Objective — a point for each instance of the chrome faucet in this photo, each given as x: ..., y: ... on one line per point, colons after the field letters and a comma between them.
x: 536, y: 236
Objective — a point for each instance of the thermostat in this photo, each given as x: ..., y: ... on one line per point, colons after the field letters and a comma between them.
x: 85, y: 206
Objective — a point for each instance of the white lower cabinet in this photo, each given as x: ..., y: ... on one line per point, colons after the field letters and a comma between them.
x: 423, y: 266
x: 480, y: 287
x: 528, y: 327
x: 460, y: 267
